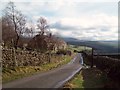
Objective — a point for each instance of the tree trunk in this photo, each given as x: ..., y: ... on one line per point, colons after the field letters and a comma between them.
x: 16, y: 42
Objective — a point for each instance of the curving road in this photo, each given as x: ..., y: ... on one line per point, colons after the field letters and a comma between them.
x: 51, y: 79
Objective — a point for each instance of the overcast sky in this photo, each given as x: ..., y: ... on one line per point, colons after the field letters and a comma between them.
x: 96, y: 20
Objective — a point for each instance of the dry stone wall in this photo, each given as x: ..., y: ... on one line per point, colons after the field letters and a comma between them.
x: 11, y: 58
x: 110, y: 66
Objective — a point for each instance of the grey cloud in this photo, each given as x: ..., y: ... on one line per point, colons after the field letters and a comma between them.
x: 104, y: 28
x: 88, y: 33
x: 59, y: 25
x: 89, y: 28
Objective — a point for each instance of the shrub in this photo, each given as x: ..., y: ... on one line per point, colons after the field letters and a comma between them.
x: 63, y: 52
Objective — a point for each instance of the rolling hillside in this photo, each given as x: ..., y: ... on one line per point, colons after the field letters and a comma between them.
x: 102, y: 46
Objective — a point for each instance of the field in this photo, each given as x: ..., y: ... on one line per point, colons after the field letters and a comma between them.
x: 103, y: 46
x: 78, y: 48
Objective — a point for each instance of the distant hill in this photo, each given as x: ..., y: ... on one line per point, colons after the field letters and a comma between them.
x: 102, y: 46
x: 69, y: 39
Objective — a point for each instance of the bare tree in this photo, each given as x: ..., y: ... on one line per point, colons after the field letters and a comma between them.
x: 0, y: 30
x: 29, y: 30
x: 17, y: 20
x: 42, y: 25
x: 8, y: 33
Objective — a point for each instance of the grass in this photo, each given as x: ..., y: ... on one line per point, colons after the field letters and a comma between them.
x: 78, y: 48
x: 24, y: 71
x: 91, y: 78
x: 88, y: 78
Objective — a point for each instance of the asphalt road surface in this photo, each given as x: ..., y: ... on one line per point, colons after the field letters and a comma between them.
x: 51, y: 79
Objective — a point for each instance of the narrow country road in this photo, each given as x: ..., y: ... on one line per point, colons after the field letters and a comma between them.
x: 51, y: 79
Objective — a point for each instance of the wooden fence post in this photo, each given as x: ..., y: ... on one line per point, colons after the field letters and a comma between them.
x: 49, y: 56
x: 14, y: 55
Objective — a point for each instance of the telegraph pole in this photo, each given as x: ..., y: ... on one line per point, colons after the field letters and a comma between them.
x: 92, y: 58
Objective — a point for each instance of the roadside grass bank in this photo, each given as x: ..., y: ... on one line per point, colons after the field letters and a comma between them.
x: 24, y: 71
x: 88, y: 78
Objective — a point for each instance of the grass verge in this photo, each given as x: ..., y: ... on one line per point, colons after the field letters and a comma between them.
x: 24, y: 71
x: 88, y: 78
